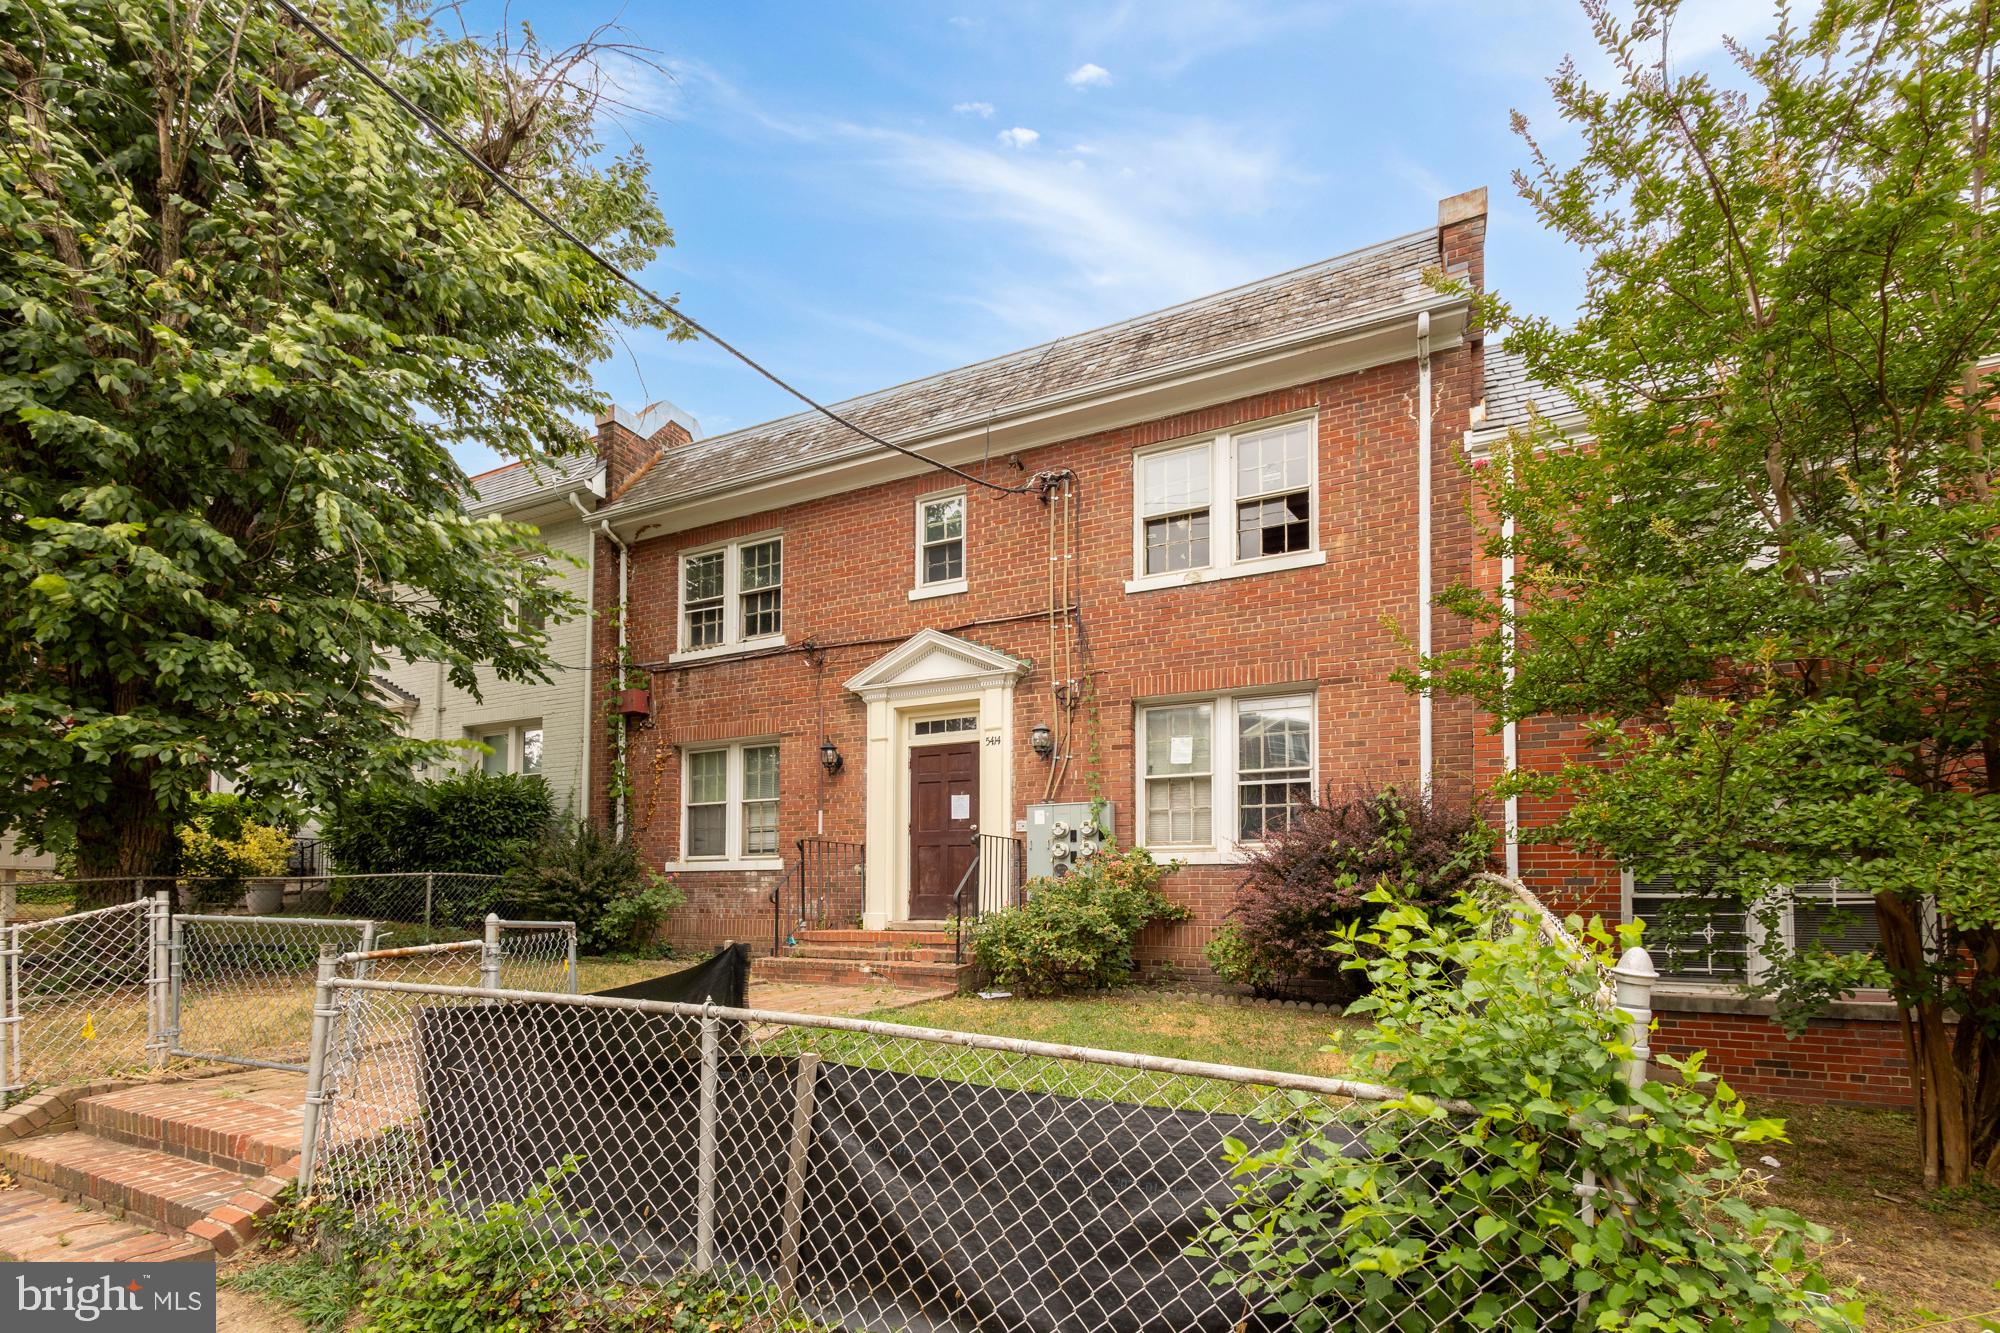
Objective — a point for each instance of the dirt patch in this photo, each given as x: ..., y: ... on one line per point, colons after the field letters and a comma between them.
x: 1914, y: 1255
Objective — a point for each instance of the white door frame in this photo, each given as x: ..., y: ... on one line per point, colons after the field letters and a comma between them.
x: 929, y: 675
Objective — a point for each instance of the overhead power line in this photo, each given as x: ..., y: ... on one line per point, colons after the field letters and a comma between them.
x: 450, y: 140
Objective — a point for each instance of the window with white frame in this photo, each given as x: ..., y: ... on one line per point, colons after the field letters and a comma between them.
x: 1256, y: 485
x: 733, y: 596
x: 1694, y: 937
x: 729, y: 799
x: 941, y: 543
x: 1223, y: 772
x: 512, y: 748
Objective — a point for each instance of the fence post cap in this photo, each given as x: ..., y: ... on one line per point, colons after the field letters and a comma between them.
x: 1635, y: 964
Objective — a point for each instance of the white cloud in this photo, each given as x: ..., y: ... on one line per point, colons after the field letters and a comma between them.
x: 1018, y: 137
x: 1089, y: 75
x: 984, y: 110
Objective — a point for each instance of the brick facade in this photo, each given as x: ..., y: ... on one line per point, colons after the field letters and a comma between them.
x: 1336, y: 629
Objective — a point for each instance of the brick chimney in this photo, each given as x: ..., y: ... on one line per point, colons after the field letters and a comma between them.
x: 629, y: 442
x: 1462, y: 236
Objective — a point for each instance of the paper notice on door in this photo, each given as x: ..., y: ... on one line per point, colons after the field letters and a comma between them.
x: 961, y: 805
x: 1180, y: 750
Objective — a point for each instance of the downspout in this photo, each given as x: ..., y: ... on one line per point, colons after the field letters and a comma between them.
x: 1510, y: 737
x: 1424, y: 755
x: 589, y: 670
x: 624, y: 577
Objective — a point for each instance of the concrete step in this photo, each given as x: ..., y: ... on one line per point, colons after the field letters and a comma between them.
x: 848, y: 972
x: 157, y: 1189
x: 216, y: 1124
x: 863, y: 953
x: 35, y: 1228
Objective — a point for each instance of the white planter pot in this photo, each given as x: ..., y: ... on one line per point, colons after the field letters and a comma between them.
x: 264, y: 897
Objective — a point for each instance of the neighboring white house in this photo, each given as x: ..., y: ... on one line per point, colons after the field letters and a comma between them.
x: 528, y: 726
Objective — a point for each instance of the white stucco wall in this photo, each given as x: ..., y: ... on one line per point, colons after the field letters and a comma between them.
x: 561, y: 706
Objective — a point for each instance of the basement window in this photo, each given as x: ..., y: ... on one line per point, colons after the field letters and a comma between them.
x: 1695, y: 938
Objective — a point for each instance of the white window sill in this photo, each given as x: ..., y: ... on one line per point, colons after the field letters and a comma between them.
x: 728, y: 649
x: 1197, y: 856
x: 1182, y: 578
x: 723, y: 863
x: 950, y: 588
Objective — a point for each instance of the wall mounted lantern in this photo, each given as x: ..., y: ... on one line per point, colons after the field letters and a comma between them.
x: 1042, y: 741
x: 829, y: 756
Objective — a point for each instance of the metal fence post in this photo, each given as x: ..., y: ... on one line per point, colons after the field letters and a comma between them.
x: 430, y: 885
x: 322, y: 1030
x: 570, y: 934
x: 9, y: 898
x: 489, y: 956
x: 10, y: 1008
x: 367, y: 947
x: 138, y: 888
x: 704, y: 1216
x: 1635, y: 976
x: 176, y: 978
x: 159, y: 983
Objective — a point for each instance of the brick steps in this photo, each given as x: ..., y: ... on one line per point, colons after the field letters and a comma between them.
x: 861, y: 953
x: 35, y: 1228
x: 896, y: 937
x: 857, y: 972
x: 180, y: 1169
x: 190, y: 1120
x: 153, y: 1187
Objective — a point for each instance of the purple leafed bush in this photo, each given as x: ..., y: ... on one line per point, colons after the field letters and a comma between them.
x: 1316, y: 875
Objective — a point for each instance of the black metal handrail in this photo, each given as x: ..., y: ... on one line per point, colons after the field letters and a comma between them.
x: 996, y: 877
x: 778, y: 905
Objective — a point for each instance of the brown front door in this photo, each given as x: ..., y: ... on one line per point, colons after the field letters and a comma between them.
x: 944, y: 814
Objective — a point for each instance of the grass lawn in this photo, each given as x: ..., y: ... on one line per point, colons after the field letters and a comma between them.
x: 1288, y: 1040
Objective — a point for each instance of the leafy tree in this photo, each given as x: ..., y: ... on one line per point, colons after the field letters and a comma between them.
x: 1767, y: 581
x: 248, y: 307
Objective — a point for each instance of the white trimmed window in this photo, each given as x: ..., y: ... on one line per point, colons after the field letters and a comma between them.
x: 1726, y: 943
x: 733, y: 596
x: 729, y: 802
x: 513, y: 748
x: 940, y: 545
x: 1242, y: 502
x: 1217, y: 774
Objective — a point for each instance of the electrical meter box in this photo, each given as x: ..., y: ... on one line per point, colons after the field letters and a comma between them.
x: 1062, y: 835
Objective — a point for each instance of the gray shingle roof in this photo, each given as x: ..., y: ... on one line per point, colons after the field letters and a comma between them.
x: 1335, y: 291
x: 514, y: 482
x: 1512, y: 398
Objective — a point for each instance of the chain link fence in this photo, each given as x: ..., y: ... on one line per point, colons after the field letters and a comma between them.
x: 416, y: 906
x: 863, y: 1175
x: 81, y: 996
x: 241, y: 987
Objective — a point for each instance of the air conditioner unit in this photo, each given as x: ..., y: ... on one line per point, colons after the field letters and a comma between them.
x: 1062, y: 835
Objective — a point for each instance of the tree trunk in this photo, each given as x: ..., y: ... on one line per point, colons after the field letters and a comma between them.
x: 1958, y: 1104
x: 126, y: 837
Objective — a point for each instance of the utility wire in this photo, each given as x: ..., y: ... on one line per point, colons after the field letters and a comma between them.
x: 333, y: 45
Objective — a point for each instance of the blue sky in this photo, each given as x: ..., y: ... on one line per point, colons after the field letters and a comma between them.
x: 864, y: 194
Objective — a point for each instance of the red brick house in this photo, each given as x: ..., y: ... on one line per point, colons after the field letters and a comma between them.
x: 1219, y: 529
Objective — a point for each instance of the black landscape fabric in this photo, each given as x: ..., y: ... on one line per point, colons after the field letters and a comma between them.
x: 929, y: 1203
x: 723, y: 979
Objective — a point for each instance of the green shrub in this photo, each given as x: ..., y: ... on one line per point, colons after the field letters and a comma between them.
x: 220, y: 846
x: 579, y: 872
x: 1474, y: 1218
x: 1076, y: 933
x: 1317, y: 874
x: 512, y: 1267
x: 470, y: 823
